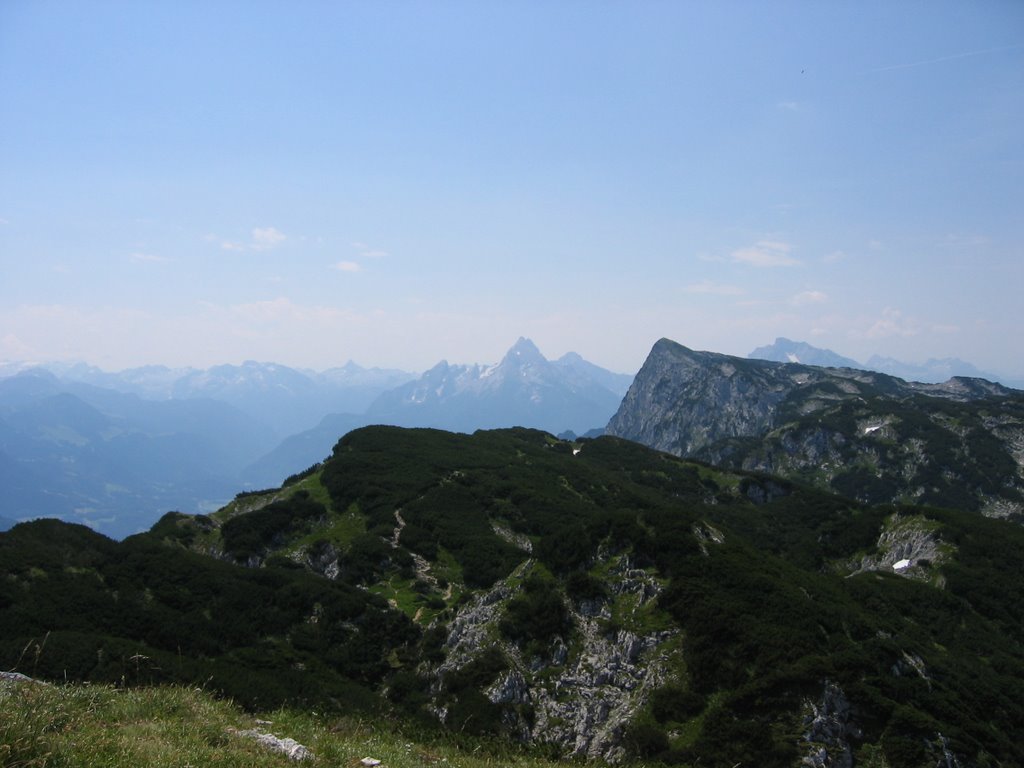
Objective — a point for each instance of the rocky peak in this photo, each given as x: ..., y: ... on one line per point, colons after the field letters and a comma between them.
x: 523, y: 354
x: 682, y: 400
x: 868, y: 435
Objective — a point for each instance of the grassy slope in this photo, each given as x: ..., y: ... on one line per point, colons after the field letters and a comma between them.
x: 92, y: 725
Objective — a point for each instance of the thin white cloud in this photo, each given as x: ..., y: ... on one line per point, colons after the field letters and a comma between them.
x: 809, y: 297
x: 941, y: 59
x: 13, y: 348
x: 265, y: 238
x: 260, y: 239
x: 347, y: 266
x: 956, y: 240
x: 369, y: 252
x: 789, y: 106
x: 147, y: 257
x: 766, y: 253
x: 892, y: 323
x: 710, y: 257
x: 875, y: 245
x: 712, y: 288
x: 833, y: 257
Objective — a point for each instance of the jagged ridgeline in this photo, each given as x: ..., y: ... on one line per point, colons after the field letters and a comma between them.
x: 866, y: 435
x: 597, y: 597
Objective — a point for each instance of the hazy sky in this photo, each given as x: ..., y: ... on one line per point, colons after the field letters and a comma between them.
x: 191, y: 183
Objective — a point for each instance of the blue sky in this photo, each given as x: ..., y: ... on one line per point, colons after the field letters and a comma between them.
x: 191, y: 183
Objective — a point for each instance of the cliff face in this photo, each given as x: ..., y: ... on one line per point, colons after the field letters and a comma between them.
x: 581, y: 689
x: 866, y: 435
x: 682, y: 400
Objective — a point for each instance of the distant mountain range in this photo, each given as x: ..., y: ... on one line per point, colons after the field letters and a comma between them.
x: 870, y: 436
x: 112, y: 460
x: 931, y: 371
x: 115, y: 450
x: 524, y: 390
x: 287, y: 400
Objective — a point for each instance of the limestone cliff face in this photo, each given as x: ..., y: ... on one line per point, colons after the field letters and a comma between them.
x: 683, y: 400
x: 867, y: 435
x: 583, y: 690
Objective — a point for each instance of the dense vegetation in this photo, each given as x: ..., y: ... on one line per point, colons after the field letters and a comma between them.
x: 755, y: 572
x: 78, y: 606
x: 919, y: 449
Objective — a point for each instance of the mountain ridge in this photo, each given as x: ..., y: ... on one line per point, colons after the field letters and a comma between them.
x: 932, y: 371
x: 523, y: 389
x: 186, y: 439
x: 859, y: 432
x: 589, y: 597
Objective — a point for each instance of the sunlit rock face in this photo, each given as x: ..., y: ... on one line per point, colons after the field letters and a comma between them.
x: 866, y: 435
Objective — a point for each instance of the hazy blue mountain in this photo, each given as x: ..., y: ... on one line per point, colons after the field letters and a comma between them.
x: 114, y: 450
x: 6, y: 524
x: 524, y: 389
x: 786, y: 351
x: 116, y: 461
x: 286, y: 399
x: 932, y: 371
x: 354, y: 376
x: 153, y: 382
x: 615, y: 382
x: 299, y: 451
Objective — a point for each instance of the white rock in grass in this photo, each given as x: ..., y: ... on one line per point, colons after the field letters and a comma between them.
x: 289, y: 747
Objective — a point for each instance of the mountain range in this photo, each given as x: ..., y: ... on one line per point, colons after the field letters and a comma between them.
x: 867, y: 435
x: 758, y: 563
x: 932, y: 370
x: 568, y: 395
x: 116, y: 450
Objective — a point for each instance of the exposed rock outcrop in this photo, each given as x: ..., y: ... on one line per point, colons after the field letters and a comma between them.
x: 909, y: 546
x: 287, y: 747
x: 586, y: 687
x: 866, y: 435
x: 829, y: 730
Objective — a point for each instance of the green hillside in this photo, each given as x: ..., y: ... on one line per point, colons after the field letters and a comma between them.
x: 591, y: 598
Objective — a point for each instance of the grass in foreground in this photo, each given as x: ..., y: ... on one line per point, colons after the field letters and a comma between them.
x: 100, y: 726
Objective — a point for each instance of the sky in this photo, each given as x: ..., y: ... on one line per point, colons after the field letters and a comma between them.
x: 396, y: 183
